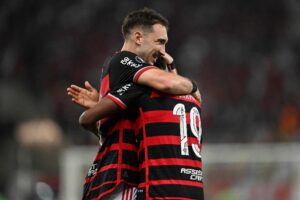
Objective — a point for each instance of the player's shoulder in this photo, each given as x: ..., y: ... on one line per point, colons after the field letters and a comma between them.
x: 189, y: 99
x: 129, y: 59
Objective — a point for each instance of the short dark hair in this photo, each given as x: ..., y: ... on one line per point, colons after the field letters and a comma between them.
x: 144, y: 18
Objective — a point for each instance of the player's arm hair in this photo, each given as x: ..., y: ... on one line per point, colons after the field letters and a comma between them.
x: 166, y: 82
x: 104, y: 108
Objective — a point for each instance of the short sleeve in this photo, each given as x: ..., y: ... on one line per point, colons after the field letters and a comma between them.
x: 127, y: 94
x: 126, y: 67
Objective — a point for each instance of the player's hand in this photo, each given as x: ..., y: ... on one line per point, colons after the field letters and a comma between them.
x: 86, y: 97
x: 167, y: 57
x: 197, y: 96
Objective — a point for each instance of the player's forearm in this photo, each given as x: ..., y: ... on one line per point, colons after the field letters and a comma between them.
x: 91, y: 128
x: 166, y: 82
x: 104, y: 108
x: 88, y: 121
x: 180, y: 86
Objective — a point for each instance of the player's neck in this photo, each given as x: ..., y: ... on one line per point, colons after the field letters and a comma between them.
x: 128, y: 46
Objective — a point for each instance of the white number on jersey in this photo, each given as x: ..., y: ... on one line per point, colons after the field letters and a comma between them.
x: 179, y: 110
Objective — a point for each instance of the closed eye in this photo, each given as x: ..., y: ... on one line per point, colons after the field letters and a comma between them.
x: 162, y: 41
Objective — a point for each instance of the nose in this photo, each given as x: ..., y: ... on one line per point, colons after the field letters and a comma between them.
x: 162, y: 51
x: 163, y: 48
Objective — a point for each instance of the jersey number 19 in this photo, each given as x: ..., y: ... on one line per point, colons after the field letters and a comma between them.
x: 179, y: 110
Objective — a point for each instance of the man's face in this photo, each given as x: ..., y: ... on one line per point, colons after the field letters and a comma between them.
x: 153, y: 43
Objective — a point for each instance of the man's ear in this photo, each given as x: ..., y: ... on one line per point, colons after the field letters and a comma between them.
x: 138, y: 37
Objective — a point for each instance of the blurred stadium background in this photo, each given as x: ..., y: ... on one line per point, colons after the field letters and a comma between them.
x: 245, y: 55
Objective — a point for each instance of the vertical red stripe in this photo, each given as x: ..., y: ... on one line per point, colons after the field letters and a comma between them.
x: 130, y: 194
x: 127, y: 193
x: 146, y: 156
x: 104, y: 86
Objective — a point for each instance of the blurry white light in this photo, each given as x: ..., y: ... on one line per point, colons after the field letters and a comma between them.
x: 44, y: 191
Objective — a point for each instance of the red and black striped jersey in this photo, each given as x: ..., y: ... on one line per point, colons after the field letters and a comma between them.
x: 169, y: 139
x: 170, y: 143
x: 116, y: 160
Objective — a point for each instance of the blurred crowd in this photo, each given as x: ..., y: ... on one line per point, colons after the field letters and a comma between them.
x: 245, y: 56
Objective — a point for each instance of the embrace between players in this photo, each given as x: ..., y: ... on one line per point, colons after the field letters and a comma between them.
x: 150, y: 129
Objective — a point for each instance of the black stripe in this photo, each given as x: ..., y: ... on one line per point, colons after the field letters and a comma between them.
x: 130, y: 176
x: 108, y: 175
x: 170, y: 151
x: 130, y: 158
x: 129, y: 136
x: 109, y: 158
x: 141, y: 156
x: 113, y: 139
x: 163, y: 128
x: 169, y: 172
x: 141, y: 194
x: 142, y: 175
x: 176, y: 191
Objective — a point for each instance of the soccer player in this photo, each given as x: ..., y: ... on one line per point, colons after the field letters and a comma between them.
x: 168, y: 137
x: 164, y: 126
x: 145, y: 37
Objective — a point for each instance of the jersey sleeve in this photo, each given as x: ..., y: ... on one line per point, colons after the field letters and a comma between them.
x: 127, y: 94
x: 126, y: 68
x: 135, y: 65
